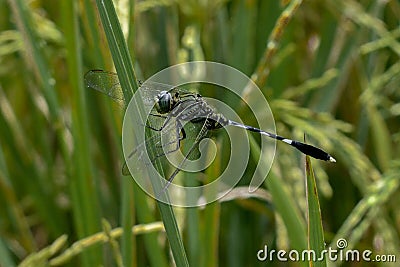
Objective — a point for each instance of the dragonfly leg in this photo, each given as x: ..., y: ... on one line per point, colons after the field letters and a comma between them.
x: 167, y: 119
x: 182, y: 135
x: 158, y: 116
x: 199, y: 137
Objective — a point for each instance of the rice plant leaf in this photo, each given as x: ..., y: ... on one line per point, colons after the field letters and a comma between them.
x: 127, y: 79
x: 316, y: 243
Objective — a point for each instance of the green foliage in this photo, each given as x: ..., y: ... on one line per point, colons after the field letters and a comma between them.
x: 329, y: 69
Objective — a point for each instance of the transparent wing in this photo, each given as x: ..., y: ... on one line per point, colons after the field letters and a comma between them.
x: 106, y: 83
x: 165, y: 141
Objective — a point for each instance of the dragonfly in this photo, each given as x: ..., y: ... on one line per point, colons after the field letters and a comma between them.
x: 177, y: 107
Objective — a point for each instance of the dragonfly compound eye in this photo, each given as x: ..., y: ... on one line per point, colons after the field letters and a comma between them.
x: 163, y: 102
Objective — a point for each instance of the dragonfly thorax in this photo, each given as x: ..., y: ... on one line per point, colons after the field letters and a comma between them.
x: 165, y: 102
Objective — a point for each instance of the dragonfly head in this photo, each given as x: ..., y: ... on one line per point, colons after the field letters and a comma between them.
x: 164, y: 102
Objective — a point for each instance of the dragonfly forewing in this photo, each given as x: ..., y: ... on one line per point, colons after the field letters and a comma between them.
x: 162, y: 142
x: 106, y: 83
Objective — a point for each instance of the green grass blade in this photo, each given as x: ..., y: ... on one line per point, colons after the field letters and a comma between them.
x: 41, y: 69
x: 316, y: 241
x: 127, y: 78
x: 128, y: 243
x: 119, y: 51
x: 94, y: 39
x: 211, y: 229
x: 5, y: 255
x: 85, y: 199
x: 14, y: 209
x: 284, y: 205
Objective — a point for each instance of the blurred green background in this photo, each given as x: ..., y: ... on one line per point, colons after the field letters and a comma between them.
x: 329, y: 69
